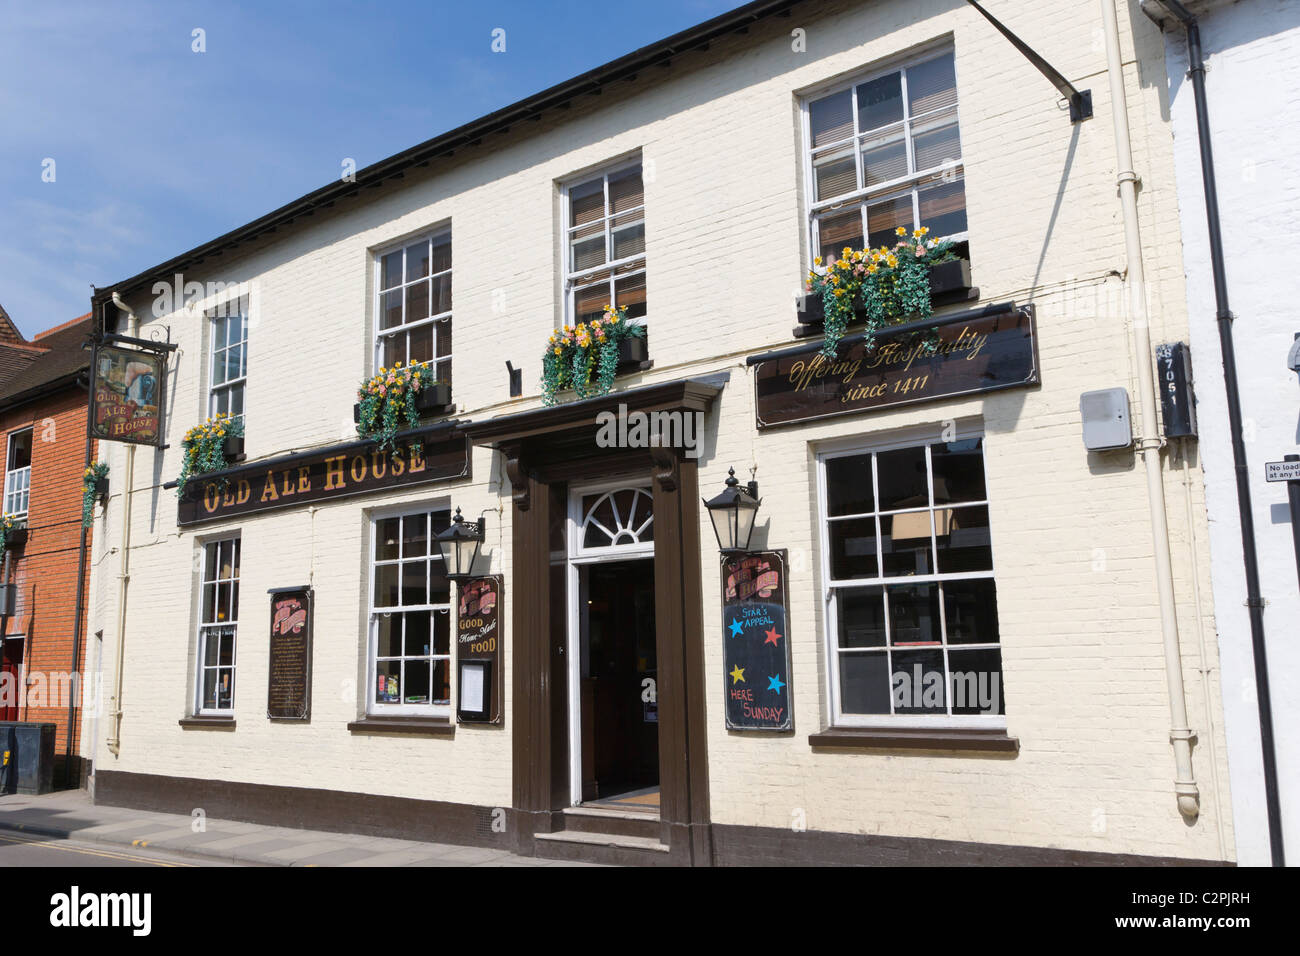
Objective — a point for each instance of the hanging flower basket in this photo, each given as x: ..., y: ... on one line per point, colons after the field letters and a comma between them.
x: 397, y: 397
x: 13, y: 534
x: 210, y: 447
x: 94, y: 487
x: 885, y: 286
x: 586, y: 357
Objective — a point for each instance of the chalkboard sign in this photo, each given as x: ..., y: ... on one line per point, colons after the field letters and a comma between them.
x: 478, y: 650
x: 756, y: 642
x: 288, y: 695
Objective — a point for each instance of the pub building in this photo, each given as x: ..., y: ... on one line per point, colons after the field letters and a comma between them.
x: 753, y: 603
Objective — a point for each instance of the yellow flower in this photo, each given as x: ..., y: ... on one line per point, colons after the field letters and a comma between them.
x: 817, y: 261
x: 900, y: 231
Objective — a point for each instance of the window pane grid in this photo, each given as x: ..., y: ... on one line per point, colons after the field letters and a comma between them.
x: 917, y: 144
x: 218, y: 624
x: 903, y: 621
x: 413, y: 311
x: 410, y: 637
x: 605, y: 242
x: 229, y: 360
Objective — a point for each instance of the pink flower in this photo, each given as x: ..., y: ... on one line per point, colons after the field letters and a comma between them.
x: 920, y: 252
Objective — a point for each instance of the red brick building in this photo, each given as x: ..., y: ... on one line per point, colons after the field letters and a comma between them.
x: 43, y: 407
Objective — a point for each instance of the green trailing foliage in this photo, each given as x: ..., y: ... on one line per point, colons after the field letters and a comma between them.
x: 585, y: 357
x: 889, y: 285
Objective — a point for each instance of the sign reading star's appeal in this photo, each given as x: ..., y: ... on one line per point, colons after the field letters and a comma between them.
x: 756, y: 644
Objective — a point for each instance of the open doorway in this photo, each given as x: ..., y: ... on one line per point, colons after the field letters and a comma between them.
x: 619, y: 715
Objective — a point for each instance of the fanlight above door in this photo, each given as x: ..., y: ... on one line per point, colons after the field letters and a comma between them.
x: 620, y: 518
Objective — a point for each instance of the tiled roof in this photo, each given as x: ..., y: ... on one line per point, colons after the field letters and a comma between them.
x: 52, y: 356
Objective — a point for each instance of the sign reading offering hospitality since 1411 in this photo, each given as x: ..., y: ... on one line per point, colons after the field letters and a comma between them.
x: 126, y: 395
x: 979, y: 354
x: 288, y: 692
x: 478, y: 650
x: 435, y: 453
x: 756, y: 642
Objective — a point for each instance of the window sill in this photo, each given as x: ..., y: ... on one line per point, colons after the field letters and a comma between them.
x: 948, y: 739
x: 208, y: 722
x: 420, y: 726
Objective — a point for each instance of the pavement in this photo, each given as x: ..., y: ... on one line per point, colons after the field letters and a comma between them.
x: 70, y: 815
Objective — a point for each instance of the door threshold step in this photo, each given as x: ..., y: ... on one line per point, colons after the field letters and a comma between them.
x: 619, y: 840
x: 604, y: 810
x: 611, y: 822
x: 616, y: 849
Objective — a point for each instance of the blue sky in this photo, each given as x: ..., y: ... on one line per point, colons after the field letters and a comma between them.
x: 157, y: 148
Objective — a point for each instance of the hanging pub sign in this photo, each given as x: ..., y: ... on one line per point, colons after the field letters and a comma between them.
x: 288, y: 693
x: 478, y: 650
x: 437, y: 453
x: 126, y: 394
x: 983, y: 353
x: 756, y: 641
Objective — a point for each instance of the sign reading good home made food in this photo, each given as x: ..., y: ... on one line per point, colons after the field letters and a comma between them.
x: 126, y: 395
x: 756, y: 642
x: 478, y: 650
x: 926, y: 362
x: 436, y: 453
x: 288, y: 694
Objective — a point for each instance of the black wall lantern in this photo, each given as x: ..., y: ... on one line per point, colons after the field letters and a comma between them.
x: 459, y: 545
x: 733, y: 513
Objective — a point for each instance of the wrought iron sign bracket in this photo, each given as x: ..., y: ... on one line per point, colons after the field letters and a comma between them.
x: 1080, y: 100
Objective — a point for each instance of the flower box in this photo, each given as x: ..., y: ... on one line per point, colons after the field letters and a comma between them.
x: 949, y: 282
x: 233, y: 448
x: 431, y: 400
x: 633, y: 353
x: 17, y: 538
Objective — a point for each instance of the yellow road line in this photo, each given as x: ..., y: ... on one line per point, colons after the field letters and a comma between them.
x: 107, y: 854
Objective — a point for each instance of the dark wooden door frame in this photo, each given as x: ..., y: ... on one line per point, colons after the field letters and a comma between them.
x: 547, y: 446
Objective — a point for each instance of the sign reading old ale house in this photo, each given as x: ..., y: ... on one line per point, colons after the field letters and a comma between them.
x: 973, y: 354
x: 437, y: 453
x: 126, y: 394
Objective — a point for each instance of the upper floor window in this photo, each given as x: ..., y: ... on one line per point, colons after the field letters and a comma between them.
x: 18, y: 473
x: 912, y: 623
x: 884, y: 152
x: 218, y: 626
x: 229, y: 377
x: 604, y: 262
x: 410, y: 616
x: 414, y: 306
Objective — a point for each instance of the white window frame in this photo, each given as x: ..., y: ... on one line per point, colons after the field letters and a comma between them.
x: 373, y: 707
x: 861, y: 445
x: 238, y: 305
x: 899, y: 185
x: 380, y: 333
x: 573, y: 280
x: 204, y: 627
x: 18, y: 481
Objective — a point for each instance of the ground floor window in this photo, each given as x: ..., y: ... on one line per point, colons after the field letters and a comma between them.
x: 906, y: 552
x: 410, y: 616
x: 218, y: 625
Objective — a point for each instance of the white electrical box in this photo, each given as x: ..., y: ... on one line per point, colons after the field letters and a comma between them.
x: 1106, y: 422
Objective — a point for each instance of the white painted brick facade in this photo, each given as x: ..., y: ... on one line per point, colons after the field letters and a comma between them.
x: 1249, y: 48
x: 726, y: 250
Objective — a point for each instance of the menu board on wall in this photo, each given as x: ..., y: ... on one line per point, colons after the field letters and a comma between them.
x: 478, y: 650
x: 288, y: 694
x: 756, y: 642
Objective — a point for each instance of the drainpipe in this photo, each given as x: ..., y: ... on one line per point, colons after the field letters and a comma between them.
x: 1189, y: 798
x: 1224, y: 317
x: 78, y: 618
x: 124, y: 574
